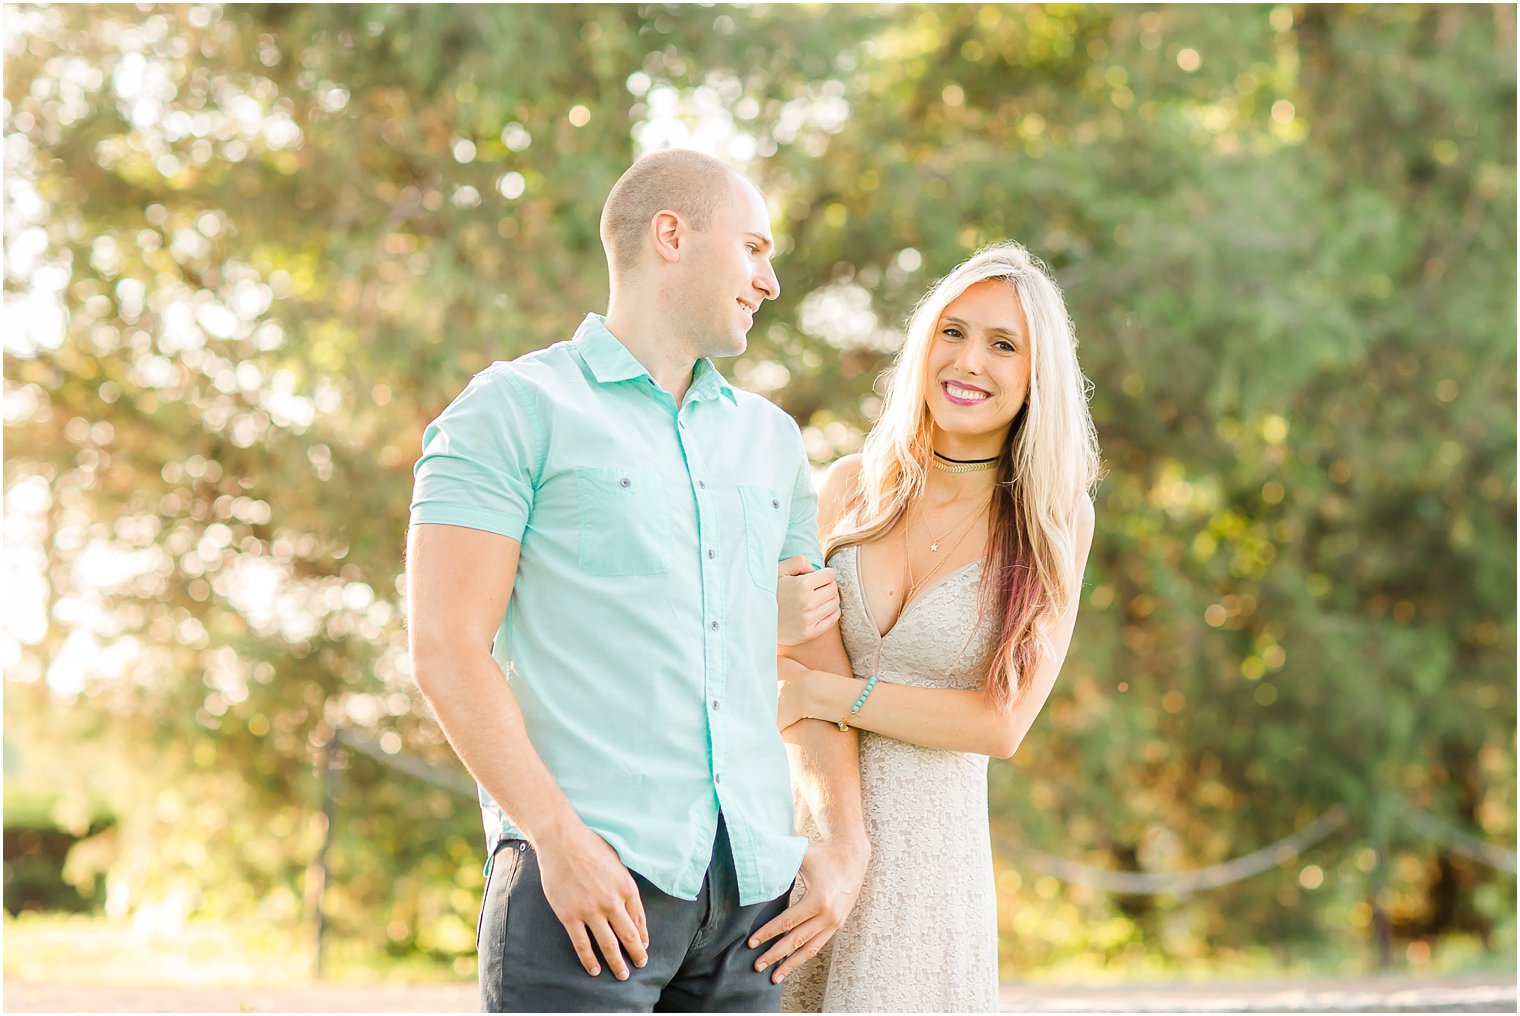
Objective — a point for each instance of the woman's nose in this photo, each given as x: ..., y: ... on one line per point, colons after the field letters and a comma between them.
x: 970, y: 358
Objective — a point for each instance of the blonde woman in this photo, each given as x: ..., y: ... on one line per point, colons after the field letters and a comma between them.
x: 957, y: 540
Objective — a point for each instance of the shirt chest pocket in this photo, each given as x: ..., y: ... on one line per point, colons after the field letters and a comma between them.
x: 765, y: 520
x: 624, y: 524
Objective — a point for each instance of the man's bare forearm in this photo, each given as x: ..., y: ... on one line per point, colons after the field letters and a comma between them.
x: 826, y: 770
x: 825, y: 760
x: 483, y: 723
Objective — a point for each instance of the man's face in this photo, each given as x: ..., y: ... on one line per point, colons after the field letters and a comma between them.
x: 727, y: 274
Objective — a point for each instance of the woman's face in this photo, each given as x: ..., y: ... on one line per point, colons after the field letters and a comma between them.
x: 978, y: 369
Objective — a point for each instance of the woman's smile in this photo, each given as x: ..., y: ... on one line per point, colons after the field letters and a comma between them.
x: 963, y: 394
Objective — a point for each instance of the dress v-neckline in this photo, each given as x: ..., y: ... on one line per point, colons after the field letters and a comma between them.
x: 860, y: 591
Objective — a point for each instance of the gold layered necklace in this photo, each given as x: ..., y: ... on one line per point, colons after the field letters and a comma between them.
x: 934, y: 540
x: 915, y: 584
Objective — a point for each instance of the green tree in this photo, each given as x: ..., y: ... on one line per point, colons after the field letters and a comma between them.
x: 285, y: 236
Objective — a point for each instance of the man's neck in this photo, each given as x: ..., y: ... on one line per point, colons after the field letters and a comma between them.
x: 653, y: 346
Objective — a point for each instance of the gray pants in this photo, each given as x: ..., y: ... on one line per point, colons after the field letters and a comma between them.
x: 699, y: 954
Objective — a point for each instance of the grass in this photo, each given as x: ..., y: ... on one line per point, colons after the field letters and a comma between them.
x: 82, y: 948
x: 1456, y: 955
x: 88, y: 949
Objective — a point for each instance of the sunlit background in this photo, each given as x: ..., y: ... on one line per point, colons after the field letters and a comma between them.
x: 251, y: 250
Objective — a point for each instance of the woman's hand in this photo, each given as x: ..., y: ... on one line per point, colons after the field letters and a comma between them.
x: 792, y: 698
x: 807, y: 602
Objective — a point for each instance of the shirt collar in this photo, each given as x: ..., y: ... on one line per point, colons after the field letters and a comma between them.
x: 707, y: 381
x: 610, y: 361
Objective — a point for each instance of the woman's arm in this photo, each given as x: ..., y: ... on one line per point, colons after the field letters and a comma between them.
x: 945, y: 718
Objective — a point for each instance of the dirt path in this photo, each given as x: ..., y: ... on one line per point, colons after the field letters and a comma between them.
x: 1487, y: 993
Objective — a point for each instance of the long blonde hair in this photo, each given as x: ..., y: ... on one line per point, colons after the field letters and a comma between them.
x: 1049, y: 462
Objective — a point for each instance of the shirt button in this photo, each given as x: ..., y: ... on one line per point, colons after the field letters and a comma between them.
x: 702, y: 484
x: 717, y: 777
x: 625, y: 482
x: 711, y: 554
x: 715, y: 705
x: 715, y: 626
x: 775, y: 504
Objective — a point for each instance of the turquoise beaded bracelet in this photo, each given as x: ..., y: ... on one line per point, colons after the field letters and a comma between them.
x: 844, y: 724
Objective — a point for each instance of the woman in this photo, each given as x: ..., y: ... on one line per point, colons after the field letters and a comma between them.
x: 957, y: 539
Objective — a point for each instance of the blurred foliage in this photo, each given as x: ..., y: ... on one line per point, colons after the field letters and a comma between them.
x: 283, y: 237
x: 41, y: 828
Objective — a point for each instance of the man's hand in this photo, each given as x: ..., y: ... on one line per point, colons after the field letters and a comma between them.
x: 594, y: 896
x: 807, y: 601
x: 831, y: 877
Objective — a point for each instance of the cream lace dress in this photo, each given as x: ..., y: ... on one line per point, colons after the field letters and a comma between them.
x: 923, y: 934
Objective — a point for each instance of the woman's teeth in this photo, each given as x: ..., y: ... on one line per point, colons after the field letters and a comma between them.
x: 968, y: 394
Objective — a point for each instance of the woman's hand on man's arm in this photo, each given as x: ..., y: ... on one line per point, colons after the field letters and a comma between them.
x: 807, y: 601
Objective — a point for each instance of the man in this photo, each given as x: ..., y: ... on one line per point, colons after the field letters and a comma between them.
x: 592, y: 562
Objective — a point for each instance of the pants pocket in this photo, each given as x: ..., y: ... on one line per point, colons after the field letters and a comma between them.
x: 624, y: 526
x: 499, y: 873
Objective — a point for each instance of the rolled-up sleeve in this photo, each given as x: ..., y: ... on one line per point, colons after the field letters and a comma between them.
x: 802, y: 527
x: 481, y: 459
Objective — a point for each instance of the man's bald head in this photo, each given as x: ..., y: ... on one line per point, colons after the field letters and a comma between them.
x: 688, y: 183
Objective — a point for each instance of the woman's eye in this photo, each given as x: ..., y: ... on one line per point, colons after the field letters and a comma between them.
x: 1005, y: 346
x: 952, y: 332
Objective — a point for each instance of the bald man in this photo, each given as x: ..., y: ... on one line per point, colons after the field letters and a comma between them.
x: 595, y: 538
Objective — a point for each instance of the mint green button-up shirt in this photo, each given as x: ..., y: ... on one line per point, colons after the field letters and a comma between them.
x: 640, y: 637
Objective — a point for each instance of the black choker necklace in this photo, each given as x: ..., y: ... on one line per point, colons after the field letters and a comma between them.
x: 946, y: 464
x: 965, y: 462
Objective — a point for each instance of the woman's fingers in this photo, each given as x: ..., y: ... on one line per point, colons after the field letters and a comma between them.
x: 828, y: 622
x: 824, y: 596
x: 821, y: 619
x: 807, y: 604
x: 821, y: 578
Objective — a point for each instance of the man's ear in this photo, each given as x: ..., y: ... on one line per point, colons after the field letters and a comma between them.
x: 667, y: 231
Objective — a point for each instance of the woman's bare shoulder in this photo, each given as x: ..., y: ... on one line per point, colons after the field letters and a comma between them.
x: 839, y: 485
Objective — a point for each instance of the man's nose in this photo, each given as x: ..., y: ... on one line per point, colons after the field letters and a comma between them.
x: 767, y: 283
